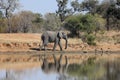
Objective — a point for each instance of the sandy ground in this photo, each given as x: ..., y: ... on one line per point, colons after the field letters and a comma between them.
x: 20, y: 50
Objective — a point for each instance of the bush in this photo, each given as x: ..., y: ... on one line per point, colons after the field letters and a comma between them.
x: 73, y: 25
x: 89, y: 39
x: 3, y: 25
x: 84, y: 23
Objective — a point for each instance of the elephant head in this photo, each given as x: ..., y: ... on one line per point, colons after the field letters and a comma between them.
x: 62, y: 35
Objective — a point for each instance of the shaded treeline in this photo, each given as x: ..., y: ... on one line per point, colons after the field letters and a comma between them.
x: 87, y: 16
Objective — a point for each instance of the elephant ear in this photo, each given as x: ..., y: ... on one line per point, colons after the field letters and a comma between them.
x: 59, y: 35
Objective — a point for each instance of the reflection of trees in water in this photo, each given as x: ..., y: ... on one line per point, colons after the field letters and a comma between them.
x: 101, y: 70
x: 113, y: 70
x: 88, y: 70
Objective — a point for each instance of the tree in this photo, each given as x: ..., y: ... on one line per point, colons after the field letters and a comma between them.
x: 102, y: 8
x: 37, y: 23
x: 62, y: 9
x: 90, y: 5
x: 2, y: 23
x: 51, y: 22
x: 8, y: 6
x: 26, y: 18
x: 3, y: 26
x: 26, y: 21
x: 76, y: 6
x: 64, y: 12
x: 1, y: 14
x: 113, y: 15
x: 84, y: 23
x: 110, y: 10
x: 118, y: 2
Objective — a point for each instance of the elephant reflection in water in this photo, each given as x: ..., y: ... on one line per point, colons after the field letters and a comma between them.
x: 56, y: 66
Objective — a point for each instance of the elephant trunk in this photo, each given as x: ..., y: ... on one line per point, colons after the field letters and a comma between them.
x: 66, y: 43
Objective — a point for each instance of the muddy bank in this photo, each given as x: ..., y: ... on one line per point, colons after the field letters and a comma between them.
x: 34, y: 46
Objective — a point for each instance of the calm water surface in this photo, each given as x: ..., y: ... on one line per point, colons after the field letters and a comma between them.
x: 88, y: 70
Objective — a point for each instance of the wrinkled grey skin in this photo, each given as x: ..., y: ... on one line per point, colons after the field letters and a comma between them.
x: 53, y: 37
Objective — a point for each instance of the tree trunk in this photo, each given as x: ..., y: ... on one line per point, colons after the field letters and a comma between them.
x: 107, y: 25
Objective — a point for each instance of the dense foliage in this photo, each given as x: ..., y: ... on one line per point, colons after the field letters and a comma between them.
x: 84, y: 23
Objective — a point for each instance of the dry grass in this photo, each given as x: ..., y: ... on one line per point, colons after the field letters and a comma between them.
x: 75, y: 41
x: 19, y: 37
x: 108, y: 37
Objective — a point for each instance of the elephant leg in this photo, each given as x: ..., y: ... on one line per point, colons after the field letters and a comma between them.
x: 44, y: 44
x: 55, y: 44
x: 59, y: 43
x: 42, y: 47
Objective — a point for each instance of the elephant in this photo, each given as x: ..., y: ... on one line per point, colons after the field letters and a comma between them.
x: 53, y: 37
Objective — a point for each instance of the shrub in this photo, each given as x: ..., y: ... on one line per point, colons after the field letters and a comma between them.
x: 3, y: 25
x: 84, y: 23
x: 91, y: 39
